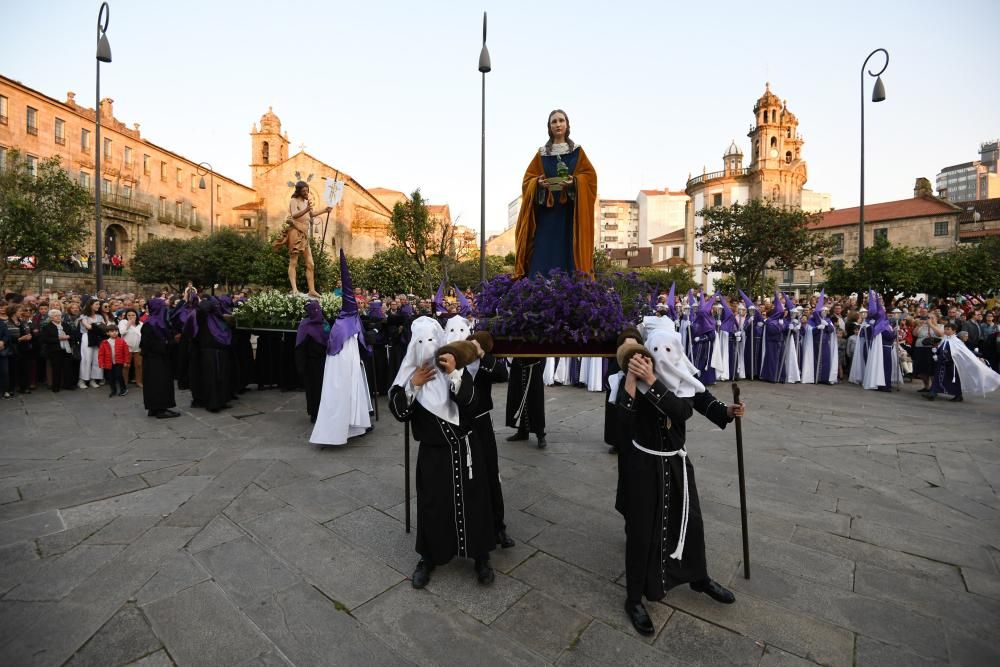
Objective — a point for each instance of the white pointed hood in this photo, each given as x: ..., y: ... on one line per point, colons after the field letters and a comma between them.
x: 426, y: 336
x: 672, y: 366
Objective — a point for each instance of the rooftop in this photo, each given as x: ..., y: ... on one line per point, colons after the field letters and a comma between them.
x: 915, y: 207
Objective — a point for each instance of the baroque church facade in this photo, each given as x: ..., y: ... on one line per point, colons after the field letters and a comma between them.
x: 776, y: 172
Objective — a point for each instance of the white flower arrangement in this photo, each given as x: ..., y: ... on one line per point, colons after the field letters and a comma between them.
x: 279, y: 310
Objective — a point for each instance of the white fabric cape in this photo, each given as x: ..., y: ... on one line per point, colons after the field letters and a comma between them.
x: 562, y: 371
x: 548, y: 374
x: 671, y: 365
x: 975, y: 376
x: 875, y: 369
x: 857, y: 374
x: 651, y: 323
x: 720, y: 355
x: 592, y: 372
x: 792, y: 374
x: 345, y: 403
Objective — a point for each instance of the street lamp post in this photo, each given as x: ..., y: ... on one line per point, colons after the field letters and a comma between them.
x: 484, y: 67
x: 878, y: 94
x: 206, y: 168
x: 103, y: 56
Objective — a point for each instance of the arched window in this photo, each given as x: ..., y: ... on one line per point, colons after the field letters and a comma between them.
x: 774, y: 116
x: 788, y: 133
x: 788, y: 157
x: 774, y: 142
x: 265, y: 152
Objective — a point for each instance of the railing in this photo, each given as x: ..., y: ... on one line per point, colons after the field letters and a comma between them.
x: 717, y: 174
x: 33, y: 129
x: 124, y: 202
x: 165, y: 218
x: 61, y: 141
x: 180, y: 222
x: 197, y: 226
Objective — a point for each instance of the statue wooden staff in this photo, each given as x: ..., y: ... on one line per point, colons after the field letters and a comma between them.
x: 743, y: 485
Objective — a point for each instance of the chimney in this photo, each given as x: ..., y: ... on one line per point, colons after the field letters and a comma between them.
x: 107, y: 108
x: 922, y: 188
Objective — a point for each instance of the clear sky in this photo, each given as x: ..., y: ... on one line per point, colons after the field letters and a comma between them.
x: 390, y: 92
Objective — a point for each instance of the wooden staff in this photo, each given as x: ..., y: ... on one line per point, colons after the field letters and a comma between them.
x: 406, y: 471
x: 743, y: 485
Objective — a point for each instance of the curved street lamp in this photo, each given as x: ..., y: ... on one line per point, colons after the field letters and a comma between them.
x: 484, y: 67
x: 206, y: 168
x: 878, y: 95
x: 103, y: 56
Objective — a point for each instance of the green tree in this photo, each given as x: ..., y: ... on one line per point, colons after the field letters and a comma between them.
x: 393, y: 271
x: 885, y: 268
x: 765, y: 286
x: 42, y: 215
x: 602, y: 263
x: 412, y: 228
x: 271, y: 268
x: 747, y: 239
x: 162, y: 262
x: 229, y: 258
x: 680, y: 275
x: 466, y: 274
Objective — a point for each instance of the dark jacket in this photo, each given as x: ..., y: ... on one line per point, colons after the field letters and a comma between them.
x: 49, y: 337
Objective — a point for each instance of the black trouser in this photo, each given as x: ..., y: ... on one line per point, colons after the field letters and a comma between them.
x: 59, y: 364
x: 115, y: 379
x: 19, y: 365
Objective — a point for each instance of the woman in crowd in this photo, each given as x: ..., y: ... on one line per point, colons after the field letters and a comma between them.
x: 21, y: 348
x: 92, y: 324
x: 129, y: 328
x: 56, y: 347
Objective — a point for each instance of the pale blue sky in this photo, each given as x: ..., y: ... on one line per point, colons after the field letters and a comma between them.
x: 389, y: 91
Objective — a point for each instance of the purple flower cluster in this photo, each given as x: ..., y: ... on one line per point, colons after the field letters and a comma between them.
x: 560, y: 308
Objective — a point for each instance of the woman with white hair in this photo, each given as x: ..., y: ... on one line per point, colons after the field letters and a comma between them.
x: 56, y: 337
x: 664, y: 534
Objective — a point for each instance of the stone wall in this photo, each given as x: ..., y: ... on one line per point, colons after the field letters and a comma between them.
x: 34, y: 282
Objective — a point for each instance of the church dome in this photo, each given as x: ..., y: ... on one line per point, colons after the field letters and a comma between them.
x: 733, y: 150
x: 269, y: 122
x: 768, y: 99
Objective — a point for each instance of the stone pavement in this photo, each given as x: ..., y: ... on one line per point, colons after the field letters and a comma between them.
x: 229, y: 540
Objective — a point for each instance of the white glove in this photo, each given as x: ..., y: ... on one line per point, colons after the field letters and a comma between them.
x: 821, y: 326
x: 739, y: 335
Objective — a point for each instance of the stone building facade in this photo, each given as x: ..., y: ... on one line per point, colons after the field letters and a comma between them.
x: 147, y: 191
x: 777, y: 173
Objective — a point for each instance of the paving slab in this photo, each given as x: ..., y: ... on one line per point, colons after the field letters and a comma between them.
x: 245, y: 571
x: 157, y: 501
x: 695, y: 642
x: 219, y: 530
x: 428, y: 631
x: 56, y: 577
x: 61, y: 542
x: 199, y: 626
x: 309, y: 629
x: 175, y: 572
x: 31, y: 526
x: 600, y: 645
x: 542, y: 624
x: 331, y: 563
x: 124, y: 639
x: 318, y: 500
x: 216, y: 495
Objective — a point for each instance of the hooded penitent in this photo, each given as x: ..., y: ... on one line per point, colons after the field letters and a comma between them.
x: 456, y: 328
x: 671, y: 365
x: 157, y: 320
x: 311, y: 325
x: 464, y: 351
x: 345, y: 402
x: 426, y: 336
x: 464, y: 307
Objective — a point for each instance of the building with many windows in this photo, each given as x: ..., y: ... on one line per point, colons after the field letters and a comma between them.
x: 617, y: 224
x: 148, y: 191
x: 660, y: 212
x: 970, y: 181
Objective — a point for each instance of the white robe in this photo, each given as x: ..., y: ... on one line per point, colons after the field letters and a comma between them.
x: 792, y: 374
x: 857, y: 374
x: 975, y: 376
x: 345, y: 403
x: 592, y: 373
x: 549, y: 372
x: 562, y: 371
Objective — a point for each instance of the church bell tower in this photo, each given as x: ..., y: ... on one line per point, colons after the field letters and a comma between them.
x: 268, y: 145
x: 777, y: 171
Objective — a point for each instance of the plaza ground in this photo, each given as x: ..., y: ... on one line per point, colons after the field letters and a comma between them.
x: 228, y: 540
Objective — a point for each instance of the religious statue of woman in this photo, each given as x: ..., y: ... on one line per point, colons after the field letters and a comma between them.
x: 555, y: 227
x: 295, y: 236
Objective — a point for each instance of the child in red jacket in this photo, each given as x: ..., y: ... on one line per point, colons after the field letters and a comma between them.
x: 113, y: 357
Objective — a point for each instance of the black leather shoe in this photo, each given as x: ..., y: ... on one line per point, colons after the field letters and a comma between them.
x: 929, y: 397
x: 422, y: 575
x: 541, y: 442
x: 503, y: 539
x: 484, y: 573
x: 957, y: 399
x: 167, y: 414
x: 641, y: 621
x: 172, y: 413
x: 520, y: 435
x: 714, y: 590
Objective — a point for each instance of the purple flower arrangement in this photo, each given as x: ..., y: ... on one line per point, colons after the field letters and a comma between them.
x: 562, y: 307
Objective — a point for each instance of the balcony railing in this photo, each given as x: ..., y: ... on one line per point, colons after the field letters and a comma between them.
x: 717, y: 174
x: 33, y: 129
x: 165, y: 218
x: 61, y: 141
x: 124, y: 202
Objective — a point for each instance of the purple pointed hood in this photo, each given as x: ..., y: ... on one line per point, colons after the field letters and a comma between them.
x: 817, y: 314
x: 375, y: 310
x: 779, y: 309
x: 672, y: 300
x: 873, y: 307
x: 702, y: 322
x: 728, y: 316
x: 464, y: 307
x: 747, y: 301
x: 212, y: 309
x: 439, y: 300
x: 157, y: 320
x: 311, y: 325
x: 349, y: 322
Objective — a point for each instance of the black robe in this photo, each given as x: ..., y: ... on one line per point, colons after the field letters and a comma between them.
x: 210, y: 371
x: 651, y: 495
x: 491, y: 370
x: 243, y: 351
x: 396, y: 330
x: 157, y: 375
x: 526, y: 396
x: 454, y: 517
x: 310, y: 360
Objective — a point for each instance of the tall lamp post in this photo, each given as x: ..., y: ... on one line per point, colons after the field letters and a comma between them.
x: 103, y: 56
x: 206, y: 168
x: 878, y: 95
x: 484, y: 67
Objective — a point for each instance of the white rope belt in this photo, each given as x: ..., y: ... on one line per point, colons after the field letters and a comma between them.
x: 679, y: 551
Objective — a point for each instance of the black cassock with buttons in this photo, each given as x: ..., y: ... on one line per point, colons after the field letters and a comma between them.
x: 651, y: 495
x: 454, y: 516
